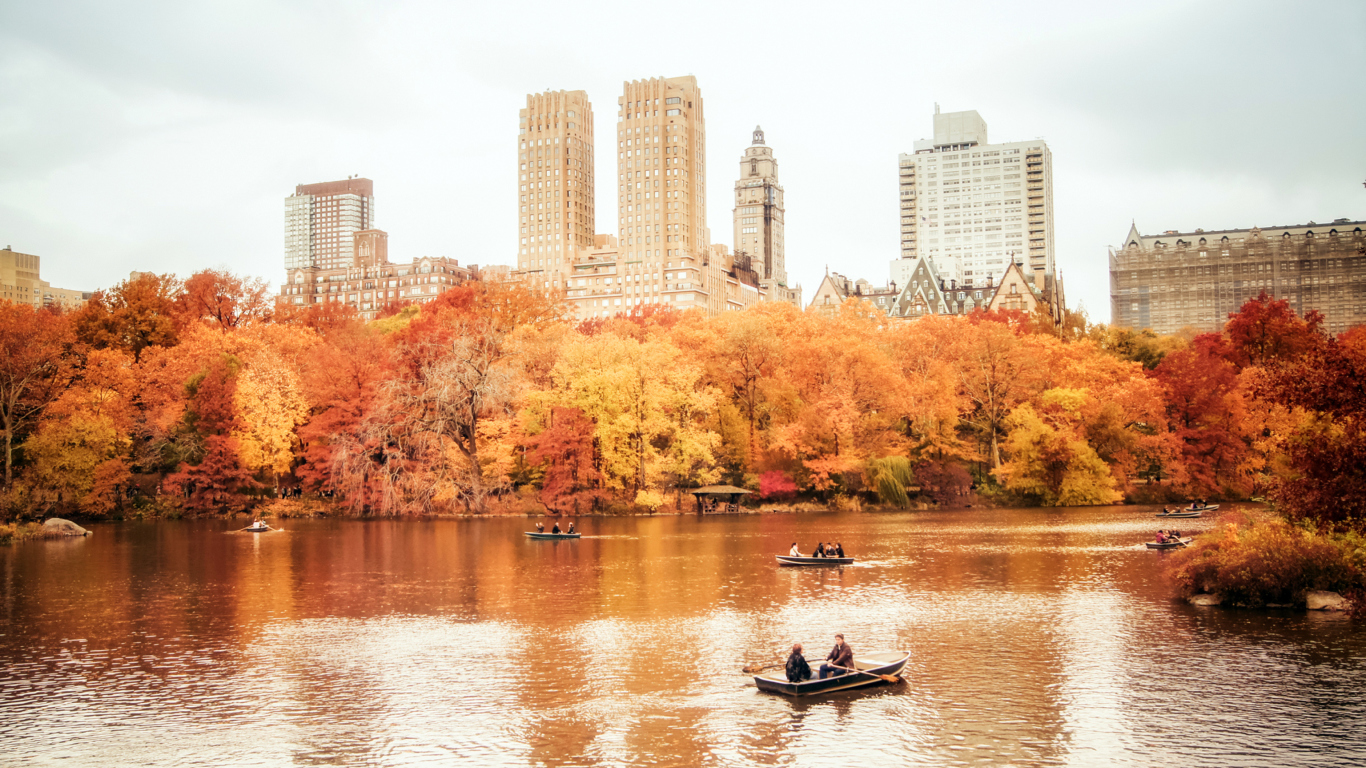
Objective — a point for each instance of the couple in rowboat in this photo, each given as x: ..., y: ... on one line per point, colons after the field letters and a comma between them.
x: 839, y: 661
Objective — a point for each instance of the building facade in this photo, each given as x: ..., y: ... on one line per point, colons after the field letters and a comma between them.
x: 370, y: 283
x: 758, y: 226
x: 1194, y: 280
x: 321, y: 221
x: 975, y: 208
x: 22, y: 283
x: 555, y: 211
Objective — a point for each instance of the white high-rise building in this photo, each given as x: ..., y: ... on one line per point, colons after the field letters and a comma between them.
x: 973, y: 207
x: 321, y: 221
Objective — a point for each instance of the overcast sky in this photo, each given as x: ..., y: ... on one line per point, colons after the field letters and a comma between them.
x: 164, y: 136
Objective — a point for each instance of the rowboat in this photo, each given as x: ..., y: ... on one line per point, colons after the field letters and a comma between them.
x: 535, y: 535
x: 1179, y: 514
x: 1189, y: 512
x: 798, y: 560
x: 1171, y: 544
x: 257, y: 528
x: 869, y: 665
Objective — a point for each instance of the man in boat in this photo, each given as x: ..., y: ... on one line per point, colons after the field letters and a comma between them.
x: 571, y: 526
x: 794, y: 552
x: 839, y: 549
x: 797, y: 668
x: 556, y: 529
x: 540, y: 527
x: 839, y: 659
x: 1161, y: 537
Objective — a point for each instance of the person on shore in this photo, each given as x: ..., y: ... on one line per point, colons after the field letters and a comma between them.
x: 839, y: 549
x: 794, y: 552
x: 556, y: 529
x: 797, y: 668
x: 839, y: 660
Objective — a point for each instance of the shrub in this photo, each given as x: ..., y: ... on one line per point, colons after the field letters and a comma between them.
x: 776, y: 485
x: 891, y: 476
x: 1253, y: 563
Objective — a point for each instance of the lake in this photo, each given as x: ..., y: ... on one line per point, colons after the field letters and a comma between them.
x: 1038, y: 637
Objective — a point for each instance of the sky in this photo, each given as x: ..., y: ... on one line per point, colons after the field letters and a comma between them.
x: 164, y: 136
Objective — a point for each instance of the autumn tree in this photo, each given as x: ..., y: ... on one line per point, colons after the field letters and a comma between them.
x: 1206, y: 413
x: 457, y: 369
x: 217, y: 479
x: 225, y: 300
x: 35, y: 369
x: 135, y: 314
x: 570, y: 481
x: 1266, y: 329
x: 1050, y: 458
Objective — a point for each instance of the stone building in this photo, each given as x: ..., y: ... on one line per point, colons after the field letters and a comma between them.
x: 371, y: 282
x: 555, y: 210
x: 21, y: 283
x: 1176, y: 280
x: 758, y: 220
x: 835, y: 288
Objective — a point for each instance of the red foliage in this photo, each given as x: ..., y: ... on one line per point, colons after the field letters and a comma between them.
x: 571, y: 482
x: 1205, y: 412
x: 1328, y: 453
x: 344, y: 378
x: 224, y: 300
x: 217, y: 481
x: 776, y: 485
x: 35, y: 368
x: 945, y: 482
x: 1266, y: 329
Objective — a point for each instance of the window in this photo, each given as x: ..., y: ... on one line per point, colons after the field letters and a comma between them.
x: 671, y: 100
x: 670, y: 112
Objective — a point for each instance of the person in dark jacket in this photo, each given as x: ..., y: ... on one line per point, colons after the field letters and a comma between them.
x: 839, y: 549
x: 556, y: 529
x: 840, y: 656
x: 797, y: 668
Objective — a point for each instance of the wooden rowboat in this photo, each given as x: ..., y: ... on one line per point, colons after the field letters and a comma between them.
x: 1188, y: 512
x: 535, y: 535
x: 869, y: 665
x: 1171, y: 544
x: 796, y: 560
x: 262, y: 528
x: 1182, y: 515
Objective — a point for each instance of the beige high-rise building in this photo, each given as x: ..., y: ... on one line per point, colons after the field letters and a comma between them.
x: 758, y: 220
x: 21, y: 283
x: 975, y: 208
x: 661, y: 171
x: 555, y: 213
x: 321, y: 221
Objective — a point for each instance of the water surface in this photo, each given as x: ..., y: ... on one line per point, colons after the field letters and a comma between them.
x: 1037, y: 637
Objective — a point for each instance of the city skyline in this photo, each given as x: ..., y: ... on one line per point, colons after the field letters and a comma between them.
x: 106, y: 146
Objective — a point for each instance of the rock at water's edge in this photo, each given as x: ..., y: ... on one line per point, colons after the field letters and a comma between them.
x: 58, y: 527
x: 1324, y: 601
x: 1206, y: 599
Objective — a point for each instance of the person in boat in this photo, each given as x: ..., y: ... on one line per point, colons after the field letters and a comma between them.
x: 540, y: 527
x: 1161, y: 537
x: 820, y: 550
x: 571, y: 527
x: 556, y: 529
x: 794, y: 552
x: 797, y: 668
x: 839, y: 549
x: 840, y: 656
x: 1173, y: 535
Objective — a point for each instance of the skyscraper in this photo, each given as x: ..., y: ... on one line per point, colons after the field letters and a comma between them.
x: 974, y: 207
x: 759, y: 211
x: 661, y: 170
x: 555, y: 215
x: 322, y: 219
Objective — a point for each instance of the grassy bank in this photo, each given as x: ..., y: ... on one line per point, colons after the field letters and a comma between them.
x: 1255, y: 563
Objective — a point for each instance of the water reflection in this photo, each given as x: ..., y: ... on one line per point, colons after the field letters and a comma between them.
x: 1037, y: 637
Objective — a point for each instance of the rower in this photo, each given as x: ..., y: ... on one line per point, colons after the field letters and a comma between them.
x: 556, y: 529
x: 1161, y: 537
x: 839, y: 660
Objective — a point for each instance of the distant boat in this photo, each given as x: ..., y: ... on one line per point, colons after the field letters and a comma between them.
x: 537, y: 535
x: 257, y: 527
x: 1171, y: 544
x: 799, y: 560
x: 1188, y: 511
x: 870, y: 666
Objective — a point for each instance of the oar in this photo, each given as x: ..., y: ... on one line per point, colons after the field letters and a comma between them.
x: 888, y: 678
x: 753, y: 669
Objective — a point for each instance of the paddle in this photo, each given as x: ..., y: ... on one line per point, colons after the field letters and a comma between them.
x: 754, y: 669
x: 887, y: 678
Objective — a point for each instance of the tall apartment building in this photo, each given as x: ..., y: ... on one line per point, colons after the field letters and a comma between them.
x: 321, y: 221
x: 974, y: 207
x: 758, y: 219
x: 1178, y: 280
x: 555, y: 213
x: 21, y: 283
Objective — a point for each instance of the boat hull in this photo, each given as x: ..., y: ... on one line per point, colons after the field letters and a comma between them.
x: 1171, y: 545
x: 535, y: 535
x: 887, y: 663
x: 1187, y: 512
x: 795, y: 560
x: 1182, y: 515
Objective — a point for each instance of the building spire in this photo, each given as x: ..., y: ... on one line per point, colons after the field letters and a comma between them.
x: 758, y: 135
